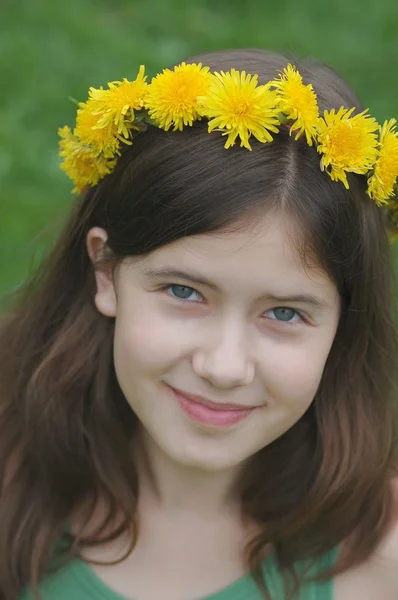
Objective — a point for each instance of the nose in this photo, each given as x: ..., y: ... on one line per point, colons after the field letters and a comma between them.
x: 226, y: 362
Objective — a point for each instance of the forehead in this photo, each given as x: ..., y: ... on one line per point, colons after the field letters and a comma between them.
x: 255, y: 255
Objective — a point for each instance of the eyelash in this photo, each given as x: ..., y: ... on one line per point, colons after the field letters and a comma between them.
x: 167, y: 287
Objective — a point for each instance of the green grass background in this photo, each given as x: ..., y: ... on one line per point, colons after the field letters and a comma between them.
x: 53, y: 49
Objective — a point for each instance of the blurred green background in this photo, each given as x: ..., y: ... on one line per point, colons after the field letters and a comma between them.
x: 54, y: 49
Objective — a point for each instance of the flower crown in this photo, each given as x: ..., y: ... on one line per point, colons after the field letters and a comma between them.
x: 235, y: 105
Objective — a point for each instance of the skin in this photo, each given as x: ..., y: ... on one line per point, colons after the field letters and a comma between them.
x: 227, y: 339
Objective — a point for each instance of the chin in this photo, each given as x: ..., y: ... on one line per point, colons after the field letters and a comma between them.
x: 204, y: 459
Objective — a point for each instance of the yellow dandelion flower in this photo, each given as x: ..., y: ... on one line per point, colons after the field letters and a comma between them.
x: 102, y: 140
x: 172, y: 97
x: 347, y: 144
x: 115, y: 106
x: 238, y: 106
x: 384, y: 177
x: 83, y: 166
x: 298, y: 102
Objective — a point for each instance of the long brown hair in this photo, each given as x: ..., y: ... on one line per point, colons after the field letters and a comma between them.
x: 65, y: 426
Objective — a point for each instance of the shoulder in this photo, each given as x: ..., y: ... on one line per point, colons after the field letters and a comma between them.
x: 378, y: 576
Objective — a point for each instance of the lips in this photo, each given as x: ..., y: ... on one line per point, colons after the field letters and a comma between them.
x: 206, y: 412
x: 210, y: 404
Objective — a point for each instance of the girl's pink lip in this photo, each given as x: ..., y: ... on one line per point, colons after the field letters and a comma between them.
x: 209, y: 413
x: 210, y: 404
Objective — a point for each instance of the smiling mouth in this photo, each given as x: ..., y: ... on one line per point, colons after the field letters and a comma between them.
x: 210, y: 403
x: 206, y: 412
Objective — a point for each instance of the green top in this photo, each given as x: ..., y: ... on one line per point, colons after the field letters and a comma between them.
x: 78, y: 581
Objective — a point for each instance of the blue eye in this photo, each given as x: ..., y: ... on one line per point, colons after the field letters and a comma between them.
x: 183, y: 292
x: 285, y: 314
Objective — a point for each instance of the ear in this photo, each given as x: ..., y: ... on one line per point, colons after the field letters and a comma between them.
x: 105, y: 297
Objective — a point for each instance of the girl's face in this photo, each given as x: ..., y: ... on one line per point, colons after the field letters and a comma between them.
x: 235, y: 322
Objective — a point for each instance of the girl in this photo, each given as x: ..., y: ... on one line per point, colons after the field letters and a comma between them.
x: 197, y: 385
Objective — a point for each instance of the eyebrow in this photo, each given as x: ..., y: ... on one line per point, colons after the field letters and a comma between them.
x: 169, y: 272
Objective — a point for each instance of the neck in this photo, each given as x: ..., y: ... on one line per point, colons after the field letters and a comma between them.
x: 174, y: 487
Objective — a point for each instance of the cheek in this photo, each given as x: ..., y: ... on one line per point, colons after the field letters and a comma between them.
x: 144, y: 341
x: 293, y: 373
